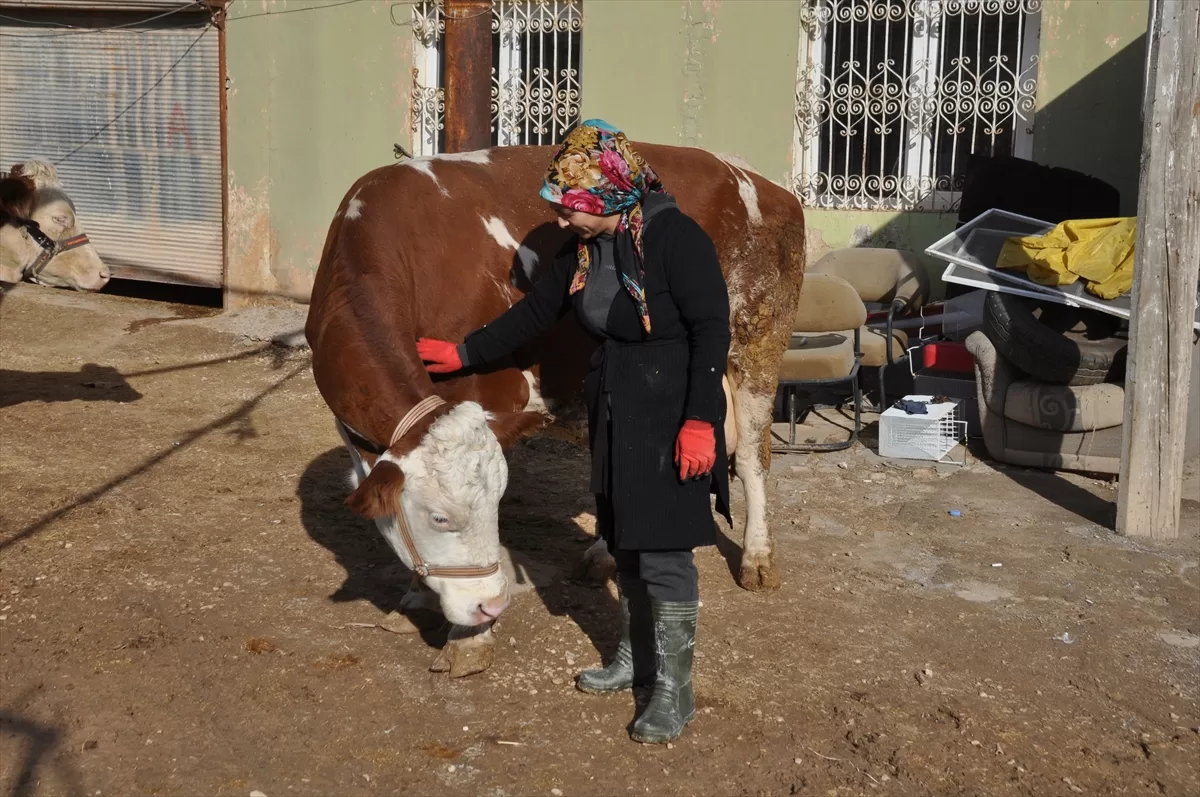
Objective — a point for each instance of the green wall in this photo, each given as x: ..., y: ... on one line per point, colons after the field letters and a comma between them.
x: 1091, y: 60
x: 318, y: 94
x: 1089, y: 91
x: 716, y: 74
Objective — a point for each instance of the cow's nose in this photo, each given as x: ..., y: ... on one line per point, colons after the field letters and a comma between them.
x: 493, y: 608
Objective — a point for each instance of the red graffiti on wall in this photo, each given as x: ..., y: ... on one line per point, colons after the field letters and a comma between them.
x: 177, y: 125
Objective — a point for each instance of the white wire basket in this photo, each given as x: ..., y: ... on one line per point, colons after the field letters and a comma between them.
x: 929, y: 437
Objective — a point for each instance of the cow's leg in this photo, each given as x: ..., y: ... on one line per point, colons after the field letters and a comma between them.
x: 763, y: 308
x: 753, y: 410
x: 597, y: 564
x: 468, y: 650
x: 420, y: 609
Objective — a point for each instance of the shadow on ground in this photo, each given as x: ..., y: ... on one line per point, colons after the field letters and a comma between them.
x: 90, y: 383
x: 41, y: 751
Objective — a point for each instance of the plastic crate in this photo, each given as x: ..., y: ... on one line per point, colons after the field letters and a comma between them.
x: 929, y: 437
x: 955, y: 386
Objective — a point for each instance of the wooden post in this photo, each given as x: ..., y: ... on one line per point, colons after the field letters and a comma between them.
x: 1167, y: 259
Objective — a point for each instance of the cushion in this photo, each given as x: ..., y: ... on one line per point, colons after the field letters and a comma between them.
x: 828, y: 304
x: 1062, y: 408
x: 817, y: 355
x: 878, y: 275
x: 874, y: 346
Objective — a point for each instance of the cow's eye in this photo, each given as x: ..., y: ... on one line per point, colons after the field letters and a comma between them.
x: 440, y: 520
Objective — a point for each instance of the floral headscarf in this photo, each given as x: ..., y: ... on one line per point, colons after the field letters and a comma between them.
x: 597, y: 171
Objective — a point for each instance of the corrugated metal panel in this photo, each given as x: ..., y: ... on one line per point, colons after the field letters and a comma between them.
x: 131, y: 118
x: 108, y: 5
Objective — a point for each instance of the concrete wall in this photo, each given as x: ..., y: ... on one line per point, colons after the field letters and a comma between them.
x: 1089, y: 91
x: 1087, y: 118
x: 317, y: 96
x: 716, y: 74
x: 320, y: 92
x: 722, y: 76
x: 835, y: 229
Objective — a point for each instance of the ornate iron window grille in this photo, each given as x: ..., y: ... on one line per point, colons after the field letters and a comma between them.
x: 894, y: 96
x: 536, y: 72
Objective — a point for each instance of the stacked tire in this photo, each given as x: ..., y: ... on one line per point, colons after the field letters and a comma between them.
x: 1056, y: 344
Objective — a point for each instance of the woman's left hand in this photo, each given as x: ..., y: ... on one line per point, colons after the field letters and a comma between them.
x: 695, y: 449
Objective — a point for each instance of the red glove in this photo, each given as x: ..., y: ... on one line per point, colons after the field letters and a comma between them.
x: 695, y: 449
x: 440, y: 356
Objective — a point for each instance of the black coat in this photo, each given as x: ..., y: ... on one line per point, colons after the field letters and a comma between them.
x: 641, y: 388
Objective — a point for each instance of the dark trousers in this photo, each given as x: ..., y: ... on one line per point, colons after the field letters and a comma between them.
x: 665, y: 575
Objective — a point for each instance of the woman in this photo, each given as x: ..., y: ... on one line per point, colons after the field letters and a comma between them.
x: 644, y: 281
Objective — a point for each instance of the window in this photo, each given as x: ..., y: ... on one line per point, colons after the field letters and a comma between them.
x: 536, y: 59
x: 894, y: 96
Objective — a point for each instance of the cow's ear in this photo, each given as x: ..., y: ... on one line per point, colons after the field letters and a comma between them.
x: 379, y: 494
x: 510, y: 427
x: 15, y: 189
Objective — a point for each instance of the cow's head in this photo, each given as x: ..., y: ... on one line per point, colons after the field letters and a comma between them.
x: 449, y: 486
x: 78, y: 267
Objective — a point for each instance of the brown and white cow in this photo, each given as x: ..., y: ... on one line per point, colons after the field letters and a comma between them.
x: 436, y: 247
x: 56, y: 252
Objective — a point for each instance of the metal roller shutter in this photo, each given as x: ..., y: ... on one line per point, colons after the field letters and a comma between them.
x: 131, y: 118
x: 111, y: 5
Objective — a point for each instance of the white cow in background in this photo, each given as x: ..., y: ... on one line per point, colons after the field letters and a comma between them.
x: 31, y: 192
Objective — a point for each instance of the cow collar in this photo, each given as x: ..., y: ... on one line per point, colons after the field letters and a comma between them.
x: 50, y: 247
x: 362, y: 441
x: 410, y: 419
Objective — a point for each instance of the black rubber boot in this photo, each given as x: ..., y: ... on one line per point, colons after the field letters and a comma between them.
x: 673, y: 704
x: 634, y: 662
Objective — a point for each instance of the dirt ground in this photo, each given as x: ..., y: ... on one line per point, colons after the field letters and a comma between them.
x: 186, y: 608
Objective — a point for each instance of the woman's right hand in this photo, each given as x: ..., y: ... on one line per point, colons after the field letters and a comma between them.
x: 439, y: 356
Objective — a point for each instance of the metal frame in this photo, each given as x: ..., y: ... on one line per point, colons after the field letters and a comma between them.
x: 907, y: 356
x: 220, y: 12
x: 536, y: 89
x: 913, y: 98
x: 817, y: 386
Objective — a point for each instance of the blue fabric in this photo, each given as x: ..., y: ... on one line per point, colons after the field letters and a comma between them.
x: 913, y: 407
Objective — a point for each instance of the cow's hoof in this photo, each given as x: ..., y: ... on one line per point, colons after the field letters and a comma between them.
x: 759, y: 574
x: 597, y: 565
x: 441, y: 663
x: 467, y: 651
x: 461, y: 658
x: 399, y: 624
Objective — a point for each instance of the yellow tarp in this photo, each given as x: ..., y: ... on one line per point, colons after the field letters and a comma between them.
x: 1098, y: 251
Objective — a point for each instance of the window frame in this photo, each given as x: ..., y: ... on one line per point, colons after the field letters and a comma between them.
x: 916, y: 185
x: 527, y: 104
